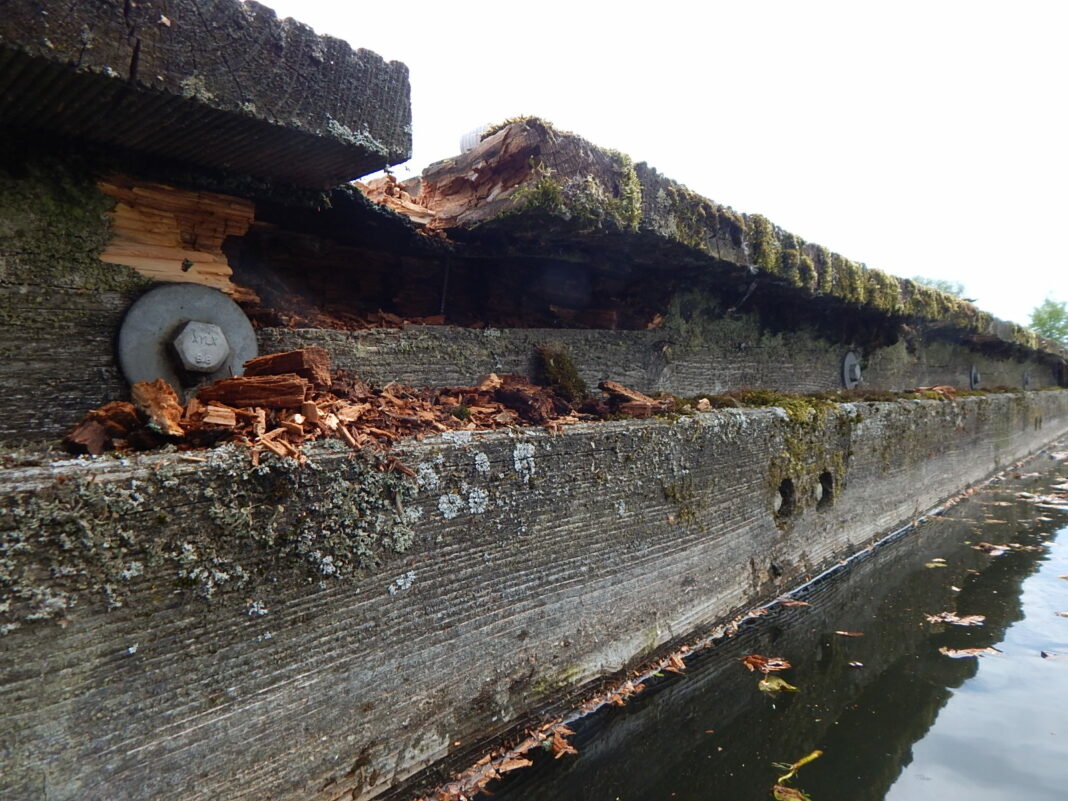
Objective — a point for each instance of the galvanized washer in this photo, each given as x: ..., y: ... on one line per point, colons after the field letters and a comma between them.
x: 148, y: 331
x: 851, y: 376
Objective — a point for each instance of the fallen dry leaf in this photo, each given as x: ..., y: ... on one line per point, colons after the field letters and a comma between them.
x: 850, y: 633
x: 949, y: 617
x: 783, y: 793
x: 674, y: 664
x: 935, y: 564
x: 515, y: 763
x: 765, y: 664
x: 559, y: 744
x: 963, y: 653
x: 989, y: 548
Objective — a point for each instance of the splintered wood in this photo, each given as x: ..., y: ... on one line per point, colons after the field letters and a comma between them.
x: 287, y: 399
x: 284, y: 391
x: 311, y: 364
x: 159, y: 403
x: 171, y: 234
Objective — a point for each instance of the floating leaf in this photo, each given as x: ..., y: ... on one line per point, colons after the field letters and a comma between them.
x: 783, y: 793
x: 949, y: 617
x: 774, y: 684
x: 850, y: 633
x: 964, y: 653
x: 856, y: 664
x: 989, y: 548
x: 1061, y: 614
x: 765, y: 664
x: 935, y: 564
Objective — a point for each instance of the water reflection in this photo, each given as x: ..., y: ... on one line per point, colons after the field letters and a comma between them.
x: 941, y: 728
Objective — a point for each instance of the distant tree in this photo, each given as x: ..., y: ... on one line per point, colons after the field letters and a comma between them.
x: 952, y: 287
x: 1050, y: 319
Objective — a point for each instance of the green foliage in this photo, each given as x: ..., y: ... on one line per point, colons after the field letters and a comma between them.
x: 1050, y: 319
x: 942, y: 285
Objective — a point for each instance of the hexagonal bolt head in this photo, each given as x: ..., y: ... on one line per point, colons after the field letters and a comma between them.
x: 201, y: 347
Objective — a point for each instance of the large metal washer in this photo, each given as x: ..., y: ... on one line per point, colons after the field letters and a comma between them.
x: 152, y: 321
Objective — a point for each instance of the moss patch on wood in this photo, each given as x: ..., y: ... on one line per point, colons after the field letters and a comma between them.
x: 54, y: 224
x: 555, y: 369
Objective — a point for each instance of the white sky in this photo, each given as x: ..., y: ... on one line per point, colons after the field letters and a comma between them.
x: 921, y: 138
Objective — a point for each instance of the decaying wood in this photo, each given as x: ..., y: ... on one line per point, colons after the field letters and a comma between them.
x: 311, y: 363
x: 391, y: 194
x: 158, y: 402
x: 101, y: 428
x: 171, y: 234
x: 626, y: 401
x: 279, y: 413
x: 286, y: 391
x: 618, y: 390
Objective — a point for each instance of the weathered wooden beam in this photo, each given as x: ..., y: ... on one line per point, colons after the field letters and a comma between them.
x: 204, y: 629
x: 221, y: 84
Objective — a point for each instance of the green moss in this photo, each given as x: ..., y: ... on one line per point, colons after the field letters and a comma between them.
x: 54, y: 225
x: 523, y: 118
x: 583, y: 200
x: 625, y: 203
x: 762, y: 242
x: 555, y: 369
x: 690, y: 213
x: 544, y: 193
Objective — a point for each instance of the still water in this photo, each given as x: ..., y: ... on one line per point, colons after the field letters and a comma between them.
x: 895, y: 718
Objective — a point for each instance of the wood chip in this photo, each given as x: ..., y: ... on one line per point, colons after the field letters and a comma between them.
x: 219, y: 415
x: 159, y: 403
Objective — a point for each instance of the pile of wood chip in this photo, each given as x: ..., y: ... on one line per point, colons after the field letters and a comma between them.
x: 286, y: 399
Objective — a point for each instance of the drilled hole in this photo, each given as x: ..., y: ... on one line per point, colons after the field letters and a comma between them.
x: 825, y: 490
x: 786, y: 500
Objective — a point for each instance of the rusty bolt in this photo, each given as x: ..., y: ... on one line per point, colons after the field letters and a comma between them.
x: 201, y: 347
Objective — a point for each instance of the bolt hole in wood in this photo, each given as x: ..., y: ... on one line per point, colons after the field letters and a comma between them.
x: 785, y: 501
x: 824, y: 490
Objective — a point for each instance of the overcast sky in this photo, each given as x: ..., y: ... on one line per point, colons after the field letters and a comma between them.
x: 922, y: 138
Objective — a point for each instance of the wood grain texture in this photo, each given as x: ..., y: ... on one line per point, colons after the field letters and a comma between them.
x: 538, y: 562
x: 728, y: 354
